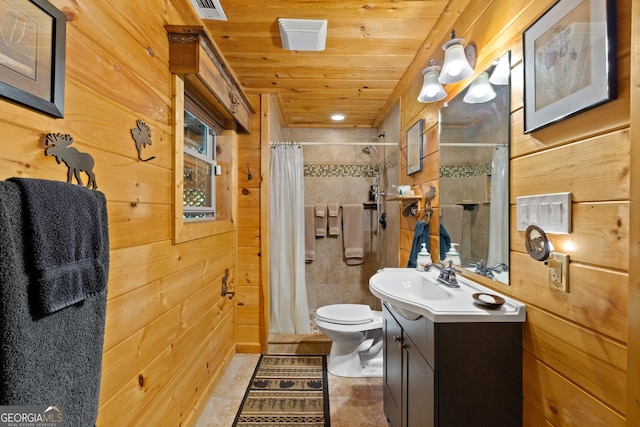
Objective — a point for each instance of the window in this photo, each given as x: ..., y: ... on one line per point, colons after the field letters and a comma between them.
x: 208, y: 110
x: 199, y: 166
x: 205, y: 175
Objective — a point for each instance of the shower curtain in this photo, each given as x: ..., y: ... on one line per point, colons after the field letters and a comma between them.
x: 288, y: 290
x: 499, y: 208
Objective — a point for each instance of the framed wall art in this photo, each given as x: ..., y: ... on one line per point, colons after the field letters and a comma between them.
x: 570, y: 61
x: 32, y: 55
x: 414, y: 148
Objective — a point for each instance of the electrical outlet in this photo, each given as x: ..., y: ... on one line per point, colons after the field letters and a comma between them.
x: 559, y: 271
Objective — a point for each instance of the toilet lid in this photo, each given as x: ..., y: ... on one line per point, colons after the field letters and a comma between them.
x: 345, y: 314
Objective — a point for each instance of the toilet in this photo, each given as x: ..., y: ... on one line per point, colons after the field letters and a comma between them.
x: 356, y: 334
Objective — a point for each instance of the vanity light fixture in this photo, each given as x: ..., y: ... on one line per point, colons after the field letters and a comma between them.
x: 432, y: 89
x: 338, y: 117
x: 480, y: 90
x: 458, y: 61
x: 501, y: 72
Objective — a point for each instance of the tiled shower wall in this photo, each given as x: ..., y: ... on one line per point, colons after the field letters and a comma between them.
x: 469, y: 185
x: 342, y: 174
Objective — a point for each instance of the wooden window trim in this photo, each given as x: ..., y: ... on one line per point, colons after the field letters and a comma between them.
x: 186, y: 231
x: 197, y: 106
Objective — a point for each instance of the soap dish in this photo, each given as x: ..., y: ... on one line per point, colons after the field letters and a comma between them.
x: 488, y: 300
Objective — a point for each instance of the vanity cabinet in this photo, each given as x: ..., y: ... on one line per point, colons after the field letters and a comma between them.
x: 451, y: 374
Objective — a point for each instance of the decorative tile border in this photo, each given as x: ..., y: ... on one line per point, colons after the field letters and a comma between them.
x: 465, y: 171
x: 391, y: 161
x: 329, y: 171
x: 354, y: 171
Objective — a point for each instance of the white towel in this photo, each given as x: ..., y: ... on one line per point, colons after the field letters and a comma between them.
x: 333, y: 220
x: 309, y: 234
x: 321, y: 219
x: 353, y: 233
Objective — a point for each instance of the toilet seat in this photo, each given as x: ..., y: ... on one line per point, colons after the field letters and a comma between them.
x: 356, y: 339
x: 345, y: 314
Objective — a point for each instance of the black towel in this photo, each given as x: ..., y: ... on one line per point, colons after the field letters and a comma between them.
x: 65, y: 225
x: 55, y: 359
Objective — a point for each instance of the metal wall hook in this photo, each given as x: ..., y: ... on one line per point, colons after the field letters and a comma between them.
x: 225, y: 290
x: 410, y: 209
x: 142, y: 136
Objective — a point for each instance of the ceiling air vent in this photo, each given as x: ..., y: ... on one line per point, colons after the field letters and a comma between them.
x: 303, y: 34
x: 209, y: 9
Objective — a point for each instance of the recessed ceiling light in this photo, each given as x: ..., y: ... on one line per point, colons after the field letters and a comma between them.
x: 338, y: 117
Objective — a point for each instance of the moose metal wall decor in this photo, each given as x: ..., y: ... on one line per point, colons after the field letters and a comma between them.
x: 142, y: 136
x: 58, y: 146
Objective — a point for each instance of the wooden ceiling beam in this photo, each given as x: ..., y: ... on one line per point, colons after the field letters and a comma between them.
x: 327, y: 9
x: 350, y: 74
x: 337, y: 28
x: 334, y: 47
x: 319, y: 84
x: 245, y: 60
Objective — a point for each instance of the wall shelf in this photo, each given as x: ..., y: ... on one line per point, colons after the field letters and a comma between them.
x: 403, y: 198
x: 470, y: 205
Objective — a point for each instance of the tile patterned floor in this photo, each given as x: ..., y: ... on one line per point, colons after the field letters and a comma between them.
x: 354, y: 402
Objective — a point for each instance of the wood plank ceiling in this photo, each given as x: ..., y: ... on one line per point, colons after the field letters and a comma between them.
x: 370, y: 45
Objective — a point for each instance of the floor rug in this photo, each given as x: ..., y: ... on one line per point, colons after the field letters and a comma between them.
x: 287, y: 390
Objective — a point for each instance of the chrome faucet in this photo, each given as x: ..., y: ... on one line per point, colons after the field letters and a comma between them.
x: 500, y: 267
x: 484, y: 270
x: 447, y: 273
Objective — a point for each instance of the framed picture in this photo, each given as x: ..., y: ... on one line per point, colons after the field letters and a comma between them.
x: 32, y: 55
x: 569, y: 61
x: 414, y: 148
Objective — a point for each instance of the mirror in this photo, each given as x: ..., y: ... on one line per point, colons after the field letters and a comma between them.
x: 474, y: 172
x: 414, y: 148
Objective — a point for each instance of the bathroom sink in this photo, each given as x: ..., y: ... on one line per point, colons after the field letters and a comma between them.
x: 415, y: 293
x: 407, y: 284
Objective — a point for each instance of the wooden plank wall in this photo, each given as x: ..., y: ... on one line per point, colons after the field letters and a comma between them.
x: 575, y: 344
x: 633, y: 343
x: 169, y: 333
x: 250, y: 308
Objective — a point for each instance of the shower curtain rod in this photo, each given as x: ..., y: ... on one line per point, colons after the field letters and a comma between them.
x: 344, y: 143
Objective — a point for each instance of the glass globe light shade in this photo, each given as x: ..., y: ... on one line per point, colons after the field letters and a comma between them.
x: 501, y: 72
x: 432, y: 89
x: 455, y: 67
x: 480, y: 90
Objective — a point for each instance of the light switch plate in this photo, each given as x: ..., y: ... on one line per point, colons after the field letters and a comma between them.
x: 551, y: 212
